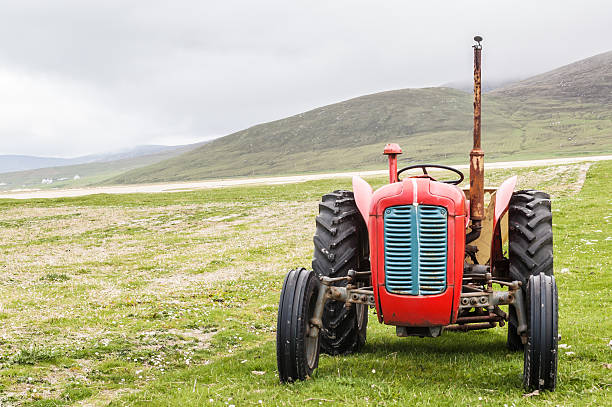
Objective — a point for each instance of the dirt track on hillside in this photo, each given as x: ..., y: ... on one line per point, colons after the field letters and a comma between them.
x: 194, y: 185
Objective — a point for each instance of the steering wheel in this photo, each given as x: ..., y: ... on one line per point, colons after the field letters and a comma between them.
x: 444, y: 167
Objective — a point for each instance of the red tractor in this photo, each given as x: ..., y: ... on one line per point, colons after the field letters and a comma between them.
x: 429, y: 257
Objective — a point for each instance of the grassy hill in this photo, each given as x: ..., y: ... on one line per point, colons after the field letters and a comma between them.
x: 562, y: 112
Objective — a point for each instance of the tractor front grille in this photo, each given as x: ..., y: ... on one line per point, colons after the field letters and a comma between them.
x: 415, y: 238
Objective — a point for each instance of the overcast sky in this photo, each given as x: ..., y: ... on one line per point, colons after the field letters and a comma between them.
x: 79, y: 77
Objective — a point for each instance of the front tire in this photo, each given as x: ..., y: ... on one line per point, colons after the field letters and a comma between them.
x: 297, y: 353
x: 341, y: 244
x: 530, y: 246
x: 541, y: 350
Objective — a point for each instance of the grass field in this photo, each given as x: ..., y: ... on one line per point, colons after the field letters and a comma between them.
x: 171, y: 299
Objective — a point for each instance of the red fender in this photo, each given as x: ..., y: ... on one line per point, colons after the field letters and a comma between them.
x: 363, y: 196
x: 502, y: 200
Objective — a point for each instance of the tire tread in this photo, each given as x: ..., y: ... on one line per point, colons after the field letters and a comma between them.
x: 530, y: 246
x: 338, y: 247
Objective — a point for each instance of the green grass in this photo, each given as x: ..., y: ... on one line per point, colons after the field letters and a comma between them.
x: 171, y: 299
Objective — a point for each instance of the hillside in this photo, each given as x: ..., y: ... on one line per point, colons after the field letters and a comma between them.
x: 585, y: 81
x: 563, y: 112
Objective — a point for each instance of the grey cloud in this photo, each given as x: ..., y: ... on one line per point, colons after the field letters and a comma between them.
x: 82, y: 77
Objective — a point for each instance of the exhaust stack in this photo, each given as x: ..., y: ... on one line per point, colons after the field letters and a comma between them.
x: 476, y: 155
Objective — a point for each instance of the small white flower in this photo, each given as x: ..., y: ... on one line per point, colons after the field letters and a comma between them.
x: 373, y: 370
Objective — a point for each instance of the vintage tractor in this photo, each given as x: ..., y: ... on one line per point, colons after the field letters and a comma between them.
x: 429, y: 258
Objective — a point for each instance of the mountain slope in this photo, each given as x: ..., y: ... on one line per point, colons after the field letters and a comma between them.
x: 12, y: 163
x: 92, y: 168
x: 586, y: 81
x: 563, y: 112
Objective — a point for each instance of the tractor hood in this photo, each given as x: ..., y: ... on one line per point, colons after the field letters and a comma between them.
x: 412, y: 189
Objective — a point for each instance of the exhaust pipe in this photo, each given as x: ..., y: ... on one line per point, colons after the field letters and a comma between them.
x: 476, y: 155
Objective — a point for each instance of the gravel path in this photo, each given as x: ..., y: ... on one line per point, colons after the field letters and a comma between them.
x: 193, y: 185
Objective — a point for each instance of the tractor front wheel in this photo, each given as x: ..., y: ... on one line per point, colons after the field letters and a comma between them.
x: 530, y: 246
x: 297, y: 349
x: 540, y: 364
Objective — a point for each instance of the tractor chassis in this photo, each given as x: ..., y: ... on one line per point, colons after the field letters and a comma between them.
x: 478, y: 309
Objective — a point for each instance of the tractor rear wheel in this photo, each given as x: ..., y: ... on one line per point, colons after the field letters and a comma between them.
x: 530, y: 246
x: 540, y: 364
x: 341, y: 244
x: 297, y: 352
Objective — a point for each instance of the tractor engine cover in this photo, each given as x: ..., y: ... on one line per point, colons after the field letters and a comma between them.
x: 417, y: 247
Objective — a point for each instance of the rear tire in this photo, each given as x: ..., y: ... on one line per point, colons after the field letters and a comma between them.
x: 297, y: 354
x: 341, y: 244
x: 530, y: 246
x: 540, y: 364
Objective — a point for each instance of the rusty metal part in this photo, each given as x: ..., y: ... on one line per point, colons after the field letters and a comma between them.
x: 521, y: 314
x: 477, y: 294
x: 316, y: 322
x: 476, y: 155
x: 498, y: 311
x: 479, y: 318
x: 487, y: 190
x: 470, y: 327
x: 359, y: 276
x: 477, y: 270
x: 351, y: 294
x: 477, y: 211
x: 488, y: 299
